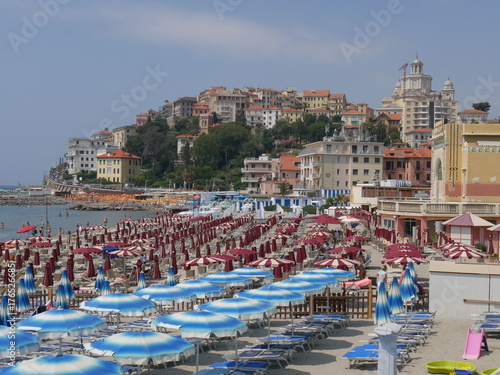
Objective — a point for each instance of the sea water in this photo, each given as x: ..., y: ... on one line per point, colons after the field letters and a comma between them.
x: 14, y: 217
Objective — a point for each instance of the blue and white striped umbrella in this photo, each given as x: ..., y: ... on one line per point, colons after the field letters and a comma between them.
x: 67, y: 364
x: 277, y: 296
x: 171, y: 280
x: 201, y: 324
x: 105, y: 288
x: 226, y: 279
x: 29, y: 281
x: 202, y: 289
x: 24, y: 342
x: 340, y: 275
x: 22, y: 300
x: 253, y: 272
x: 394, y: 298
x: 125, y: 304
x: 141, y: 284
x: 68, y: 290
x: 411, y: 267
x: 382, y: 313
x: 5, y: 313
x: 240, y: 308
x: 299, y: 286
x: 165, y: 294
x: 407, y: 288
x: 99, y: 279
x: 137, y: 348
x: 61, y: 300
x: 318, y: 278
x: 62, y: 323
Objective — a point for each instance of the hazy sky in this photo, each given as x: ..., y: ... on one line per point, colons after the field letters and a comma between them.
x: 71, y: 68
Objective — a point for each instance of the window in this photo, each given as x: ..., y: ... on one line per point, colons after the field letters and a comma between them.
x: 338, y: 159
x: 428, y: 164
x: 366, y: 160
x: 355, y: 172
x: 418, y: 176
x: 389, y: 176
x: 389, y: 165
x: 355, y: 159
x: 400, y: 177
x: 428, y: 177
x: 338, y: 183
x: 347, y: 171
x: 376, y: 149
x: 354, y: 183
x: 338, y: 171
x: 418, y: 165
x: 366, y: 172
x: 328, y: 149
x: 377, y: 160
x: 400, y: 164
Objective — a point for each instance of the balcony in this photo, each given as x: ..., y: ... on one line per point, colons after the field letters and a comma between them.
x: 252, y: 179
x: 426, y: 207
x: 256, y: 170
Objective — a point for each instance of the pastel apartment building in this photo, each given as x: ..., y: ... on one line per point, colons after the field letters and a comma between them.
x: 408, y: 164
x: 118, y: 166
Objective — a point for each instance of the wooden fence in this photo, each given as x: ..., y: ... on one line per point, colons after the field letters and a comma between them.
x: 360, y: 304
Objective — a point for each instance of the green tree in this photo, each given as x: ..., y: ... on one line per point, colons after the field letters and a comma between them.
x: 377, y: 130
x: 316, y: 131
x: 482, y: 106
x: 284, y: 188
x: 341, y: 199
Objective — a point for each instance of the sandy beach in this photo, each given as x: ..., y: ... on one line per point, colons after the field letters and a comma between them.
x: 446, y: 341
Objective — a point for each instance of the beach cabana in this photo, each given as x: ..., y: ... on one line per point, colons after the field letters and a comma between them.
x: 468, y: 229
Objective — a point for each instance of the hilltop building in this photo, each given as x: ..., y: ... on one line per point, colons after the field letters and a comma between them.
x: 418, y: 105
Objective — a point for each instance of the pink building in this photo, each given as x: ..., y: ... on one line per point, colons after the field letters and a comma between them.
x: 409, y: 164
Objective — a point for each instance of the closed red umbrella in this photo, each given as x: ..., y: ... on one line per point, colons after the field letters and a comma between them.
x: 48, y: 280
x: 208, y: 250
x: 54, y: 255
x: 52, y: 264
x: 228, y: 267
x: 26, y: 253
x: 156, y: 269
x: 6, y: 255
x: 70, y: 266
x: 19, y: 262
x: 36, y: 258
x: 107, y: 262
x: 278, y: 272
x: 151, y: 256
x: 6, y: 279
x: 90, y: 267
x: 262, y: 251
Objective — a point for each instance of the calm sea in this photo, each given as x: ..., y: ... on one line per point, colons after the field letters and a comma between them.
x: 13, y: 218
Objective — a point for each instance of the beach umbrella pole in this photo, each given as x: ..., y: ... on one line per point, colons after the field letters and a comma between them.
x: 197, y: 355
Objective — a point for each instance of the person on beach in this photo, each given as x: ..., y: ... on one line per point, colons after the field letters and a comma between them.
x: 382, y: 275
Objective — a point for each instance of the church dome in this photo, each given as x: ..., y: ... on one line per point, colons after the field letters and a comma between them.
x: 417, y: 62
x: 448, y: 85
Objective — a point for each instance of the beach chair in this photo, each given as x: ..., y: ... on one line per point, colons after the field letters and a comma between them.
x: 271, y: 356
x: 236, y: 365
x: 368, y: 354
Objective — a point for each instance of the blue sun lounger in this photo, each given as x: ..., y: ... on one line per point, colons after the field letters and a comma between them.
x: 239, y: 365
x: 369, y: 354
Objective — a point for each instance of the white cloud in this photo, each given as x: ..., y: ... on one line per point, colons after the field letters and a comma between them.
x: 233, y: 36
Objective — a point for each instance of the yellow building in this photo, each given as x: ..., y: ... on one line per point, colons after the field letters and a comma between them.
x: 465, y: 162
x: 118, y: 166
x: 316, y: 98
x: 291, y: 115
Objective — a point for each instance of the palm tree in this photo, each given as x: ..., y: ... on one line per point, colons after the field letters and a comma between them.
x: 341, y: 199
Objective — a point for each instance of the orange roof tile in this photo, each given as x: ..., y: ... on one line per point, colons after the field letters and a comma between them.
x: 353, y: 112
x: 186, y: 136
x: 316, y: 93
x: 473, y: 111
x: 105, y: 132
x: 421, y: 130
x: 119, y: 154
x: 337, y: 96
x: 288, y: 161
x: 351, y: 126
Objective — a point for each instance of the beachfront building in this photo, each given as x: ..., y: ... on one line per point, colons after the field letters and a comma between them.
x: 464, y: 177
x: 418, y: 105
x: 331, y: 166
x: 118, y: 166
x: 82, y: 152
x: 412, y: 165
x: 122, y: 134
